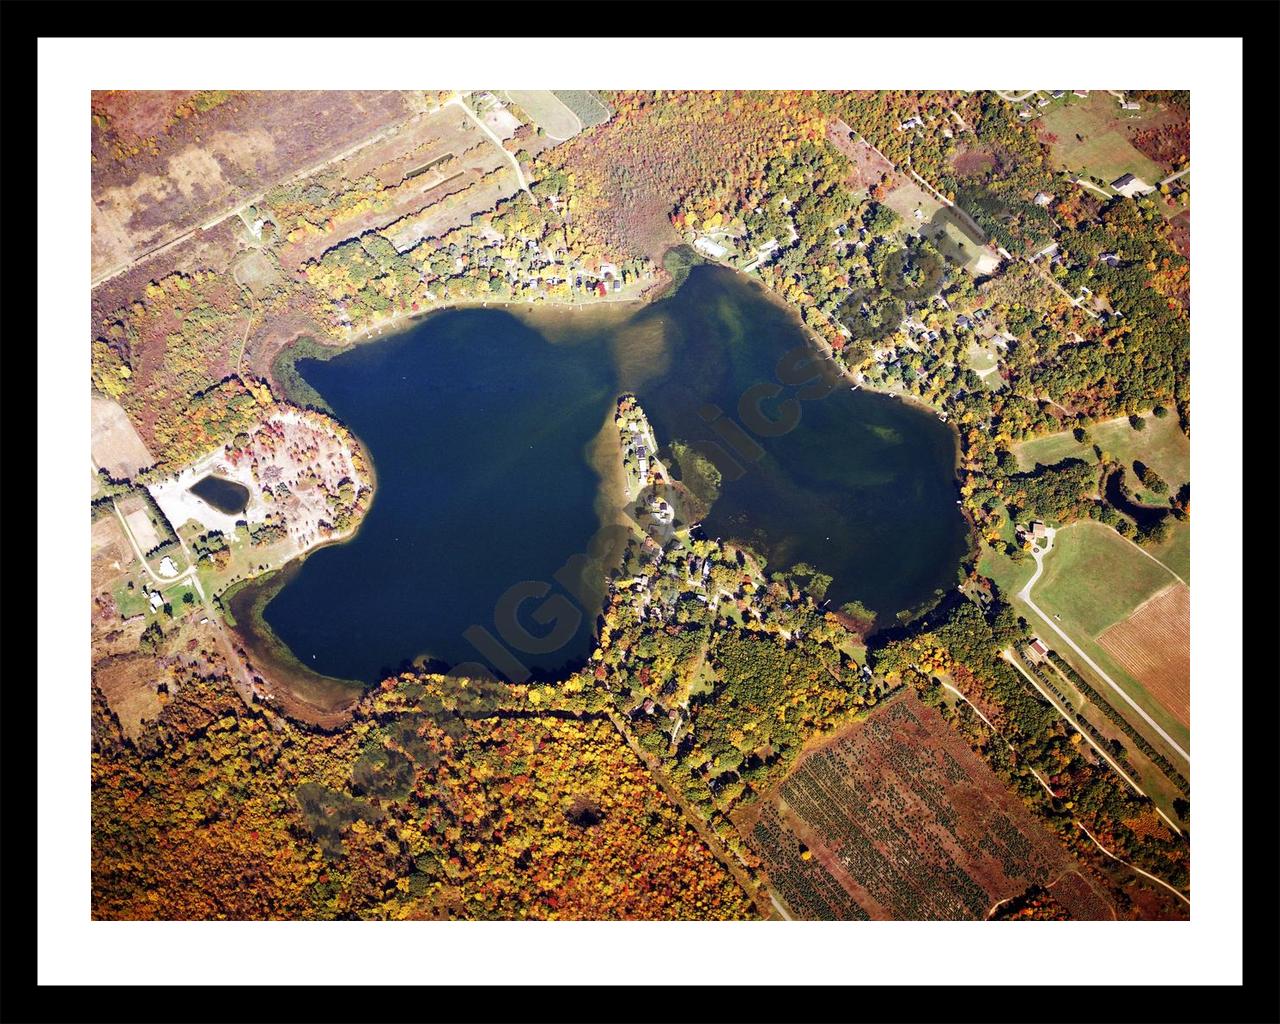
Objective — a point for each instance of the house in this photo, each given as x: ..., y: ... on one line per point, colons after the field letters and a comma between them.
x: 1038, y: 530
x: 1131, y: 186
x: 1043, y: 199
x: 963, y: 322
x: 1082, y: 93
x: 1043, y: 101
x: 1058, y: 93
x: 1037, y: 650
x: 1048, y: 250
x: 167, y: 568
x: 911, y: 122
x: 1129, y: 105
x: 156, y: 600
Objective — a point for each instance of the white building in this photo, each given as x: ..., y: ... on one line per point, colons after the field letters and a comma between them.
x: 1131, y: 186
x: 707, y: 247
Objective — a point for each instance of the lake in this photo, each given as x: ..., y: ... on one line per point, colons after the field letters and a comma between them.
x: 491, y: 435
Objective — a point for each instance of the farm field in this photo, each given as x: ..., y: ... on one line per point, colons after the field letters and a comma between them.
x: 587, y: 107
x: 1161, y: 445
x: 1153, y: 644
x: 548, y: 111
x: 115, y: 445
x: 1103, y: 149
x: 1094, y: 578
x: 898, y: 819
x: 142, y: 527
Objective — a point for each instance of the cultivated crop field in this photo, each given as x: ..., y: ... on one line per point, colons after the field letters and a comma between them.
x: 1154, y: 646
x: 898, y: 819
x: 589, y: 108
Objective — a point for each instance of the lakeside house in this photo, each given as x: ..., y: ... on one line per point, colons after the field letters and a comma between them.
x: 707, y: 247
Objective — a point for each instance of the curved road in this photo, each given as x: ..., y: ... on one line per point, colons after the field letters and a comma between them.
x: 524, y: 185
x: 1025, y: 595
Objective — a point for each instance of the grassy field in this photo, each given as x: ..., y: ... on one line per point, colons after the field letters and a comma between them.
x: 1176, y: 551
x: 1161, y: 445
x: 1094, y: 578
x: 174, y: 598
x: 1103, y: 149
x: 548, y: 111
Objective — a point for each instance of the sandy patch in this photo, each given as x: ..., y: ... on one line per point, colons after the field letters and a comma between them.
x: 115, y: 444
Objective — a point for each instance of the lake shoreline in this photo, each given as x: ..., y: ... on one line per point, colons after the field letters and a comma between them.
x: 601, y: 455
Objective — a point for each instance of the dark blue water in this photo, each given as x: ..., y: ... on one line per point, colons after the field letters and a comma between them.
x: 480, y: 429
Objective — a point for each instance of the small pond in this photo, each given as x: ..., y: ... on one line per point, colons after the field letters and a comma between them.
x: 225, y: 495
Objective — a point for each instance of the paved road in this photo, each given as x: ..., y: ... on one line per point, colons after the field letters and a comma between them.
x: 1009, y: 657
x: 1025, y: 595
x: 1174, y: 177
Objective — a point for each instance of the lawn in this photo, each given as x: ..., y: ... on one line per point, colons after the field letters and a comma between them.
x: 1093, y: 578
x: 1103, y: 149
x: 174, y: 599
x: 129, y: 602
x: 1161, y: 445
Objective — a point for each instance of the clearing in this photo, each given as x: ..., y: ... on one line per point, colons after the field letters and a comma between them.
x: 115, y: 445
x: 1154, y: 646
x: 897, y: 819
x: 1161, y: 445
x: 1092, y: 137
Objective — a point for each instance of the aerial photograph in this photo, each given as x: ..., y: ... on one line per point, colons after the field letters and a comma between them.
x: 615, y: 505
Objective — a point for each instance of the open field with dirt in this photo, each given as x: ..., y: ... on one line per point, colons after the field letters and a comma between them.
x: 869, y: 167
x: 1154, y: 646
x: 115, y: 445
x: 1092, y: 137
x: 547, y: 111
x: 897, y: 818
x: 129, y: 681
x: 143, y: 529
